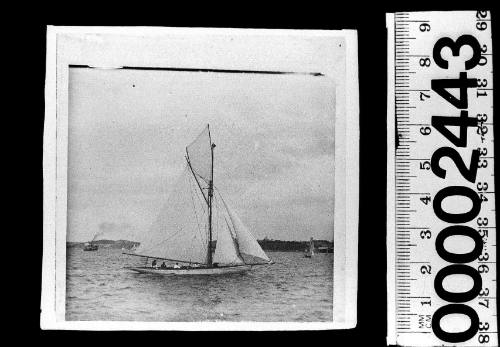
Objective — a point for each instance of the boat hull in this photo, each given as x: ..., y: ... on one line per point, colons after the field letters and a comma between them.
x: 192, y: 271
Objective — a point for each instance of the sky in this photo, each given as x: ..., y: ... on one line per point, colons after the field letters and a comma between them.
x: 128, y: 129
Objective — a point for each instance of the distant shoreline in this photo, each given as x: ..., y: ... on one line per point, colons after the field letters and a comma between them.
x: 266, y: 244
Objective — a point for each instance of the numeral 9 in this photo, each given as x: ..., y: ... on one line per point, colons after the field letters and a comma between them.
x: 481, y: 26
x: 424, y: 27
x: 425, y: 130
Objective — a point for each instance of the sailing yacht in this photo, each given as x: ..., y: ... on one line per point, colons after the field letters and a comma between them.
x: 310, y: 251
x: 196, y: 228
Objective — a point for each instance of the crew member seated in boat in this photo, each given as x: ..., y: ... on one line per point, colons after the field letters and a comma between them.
x: 153, y: 264
x: 177, y: 266
x: 163, y: 266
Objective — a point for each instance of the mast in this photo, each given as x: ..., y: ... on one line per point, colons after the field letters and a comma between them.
x: 210, y: 197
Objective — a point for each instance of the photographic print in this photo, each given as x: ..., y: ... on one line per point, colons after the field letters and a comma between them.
x: 199, y: 188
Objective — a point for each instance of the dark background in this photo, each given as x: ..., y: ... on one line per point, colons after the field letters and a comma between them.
x: 369, y: 20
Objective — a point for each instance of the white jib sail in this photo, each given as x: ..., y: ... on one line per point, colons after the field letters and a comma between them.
x: 225, y: 250
x: 247, y: 244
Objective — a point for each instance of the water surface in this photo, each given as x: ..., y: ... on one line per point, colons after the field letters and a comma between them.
x: 295, y: 288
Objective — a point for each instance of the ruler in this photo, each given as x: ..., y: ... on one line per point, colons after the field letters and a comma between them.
x: 441, y: 232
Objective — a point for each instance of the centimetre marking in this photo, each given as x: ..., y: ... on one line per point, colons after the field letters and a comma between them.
x: 402, y: 177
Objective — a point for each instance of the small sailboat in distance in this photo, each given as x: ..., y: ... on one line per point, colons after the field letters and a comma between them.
x: 194, y: 216
x: 310, y: 251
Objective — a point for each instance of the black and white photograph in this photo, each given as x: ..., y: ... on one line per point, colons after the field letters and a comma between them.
x: 195, y: 179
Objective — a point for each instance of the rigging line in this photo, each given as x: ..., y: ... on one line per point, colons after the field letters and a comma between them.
x: 149, y: 239
x: 202, y: 133
x: 194, y: 206
x: 192, y: 244
x: 179, y: 231
x: 202, y: 178
x: 233, y: 229
x: 217, y: 220
x: 219, y: 214
x: 203, y: 228
x: 195, y: 213
x: 198, y: 197
x: 220, y: 195
x: 201, y: 203
x: 194, y: 175
x: 222, y: 199
x: 232, y: 233
x: 171, y: 236
x: 169, y: 259
x: 203, y: 206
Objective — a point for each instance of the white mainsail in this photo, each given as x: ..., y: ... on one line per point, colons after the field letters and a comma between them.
x: 179, y: 232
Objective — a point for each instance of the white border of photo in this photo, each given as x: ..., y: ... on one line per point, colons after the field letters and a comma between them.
x: 331, y: 53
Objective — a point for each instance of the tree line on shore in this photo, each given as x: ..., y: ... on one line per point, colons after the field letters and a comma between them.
x: 266, y: 244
